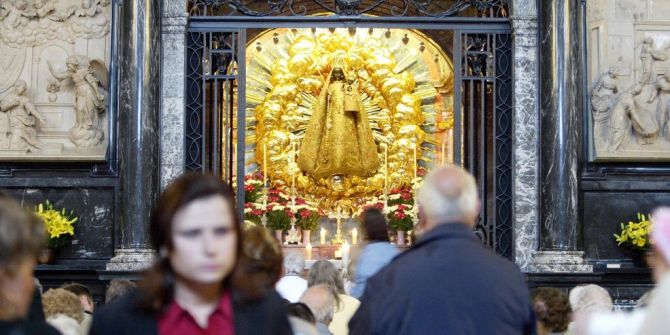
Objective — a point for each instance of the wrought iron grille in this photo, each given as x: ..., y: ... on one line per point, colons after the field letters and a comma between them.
x: 504, y: 227
x: 393, y: 8
x: 211, y: 107
x: 486, y: 67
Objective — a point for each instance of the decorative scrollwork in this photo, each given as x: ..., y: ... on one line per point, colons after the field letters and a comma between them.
x: 431, y: 8
x: 504, y: 228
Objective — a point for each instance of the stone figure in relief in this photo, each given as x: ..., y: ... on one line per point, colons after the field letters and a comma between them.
x: 631, y: 116
x: 602, y: 97
x: 89, y: 101
x: 21, y: 119
x: 25, y: 23
x: 648, y: 55
x: 663, y: 106
x: 643, y: 115
x: 620, y: 122
x: 338, y: 139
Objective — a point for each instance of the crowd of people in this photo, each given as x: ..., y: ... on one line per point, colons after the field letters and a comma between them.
x: 212, y: 276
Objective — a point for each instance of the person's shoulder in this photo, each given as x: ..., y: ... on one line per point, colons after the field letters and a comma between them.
x: 271, y: 308
x: 270, y: 300
x: 40, y: 328
x: 350, y: 303
x: 292, y: 280
x: 410, y: 255
x: 36, y: 327
x: 128, y: 303
x: 274, y: 300
x: 348, y: 299
x: 494, y: 260
x: 384, y: 247
x: 122, y: 314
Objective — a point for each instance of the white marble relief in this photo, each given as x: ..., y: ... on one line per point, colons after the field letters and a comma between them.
x: 632, y: 123
x: 61, y: 50
x: 628, y: 58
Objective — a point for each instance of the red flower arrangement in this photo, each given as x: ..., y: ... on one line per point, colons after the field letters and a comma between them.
x: 278, y: 212
x: 253, y: 191
x: 307, y: 216
x: 400, y: 209
x: 401, y: 217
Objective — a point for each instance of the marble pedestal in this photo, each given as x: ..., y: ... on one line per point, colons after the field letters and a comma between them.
x: 131, y: 260
x: 559, y: 261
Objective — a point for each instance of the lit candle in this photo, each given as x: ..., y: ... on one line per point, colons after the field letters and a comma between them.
x: 415, y: 162
x: 308, y: 251
x: 265, y: 165
x: 450, y: 152
x: 293, y: 169
x: 345, y: 255
x: 265, y: 176
x: 354, y: 236
x: 386, y: 168
x: 442, y: 152
x: 323, y: 236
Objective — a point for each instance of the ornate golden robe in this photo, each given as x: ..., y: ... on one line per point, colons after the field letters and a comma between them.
x: 338, y: 140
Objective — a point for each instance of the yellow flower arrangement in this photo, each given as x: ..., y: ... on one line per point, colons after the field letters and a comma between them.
x: 635, y: 234
x: 59, y: 224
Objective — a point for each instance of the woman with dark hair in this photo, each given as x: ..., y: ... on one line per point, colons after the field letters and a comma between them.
x: 260, y: 263
x: 191, y: 289
x: 376, y: 254
x: 22, y: 236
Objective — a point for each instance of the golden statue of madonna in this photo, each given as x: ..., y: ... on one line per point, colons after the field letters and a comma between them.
x: 338, y: 139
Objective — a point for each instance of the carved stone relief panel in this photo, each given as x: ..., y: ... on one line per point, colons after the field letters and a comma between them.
x: 54, y: 61
x: 629, y: 75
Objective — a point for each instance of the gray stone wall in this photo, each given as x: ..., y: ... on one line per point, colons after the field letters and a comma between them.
x: 172, y: 90
x: 526, y: 131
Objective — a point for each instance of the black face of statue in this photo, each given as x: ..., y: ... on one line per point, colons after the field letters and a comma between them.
x: 338, y: 74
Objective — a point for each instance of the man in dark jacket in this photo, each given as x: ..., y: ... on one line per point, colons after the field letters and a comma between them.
x: 448, y: 283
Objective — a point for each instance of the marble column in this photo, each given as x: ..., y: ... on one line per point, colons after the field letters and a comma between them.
x: 526, y: 124
x: 139, y: 103
x: 561, y: 105
x: 172, y: 90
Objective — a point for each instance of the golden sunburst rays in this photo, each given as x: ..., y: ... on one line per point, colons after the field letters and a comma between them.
x: 286, y: 69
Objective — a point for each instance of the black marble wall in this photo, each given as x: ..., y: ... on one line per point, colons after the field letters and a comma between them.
x: 93, y: 200
x: 612, y: 199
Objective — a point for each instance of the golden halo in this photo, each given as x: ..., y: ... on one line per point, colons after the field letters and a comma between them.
x: 286, y: 69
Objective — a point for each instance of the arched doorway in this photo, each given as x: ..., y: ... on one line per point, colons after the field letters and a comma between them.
x: 468, y: 119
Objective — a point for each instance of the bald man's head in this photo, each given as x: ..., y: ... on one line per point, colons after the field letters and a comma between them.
x: 320, y: 299
x: 448, y: 194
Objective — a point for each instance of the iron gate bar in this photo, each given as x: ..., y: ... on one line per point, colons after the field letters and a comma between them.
x: 458, y: 105
x: 502, y: 172
x: 241, y: 115
x: 231, y: 22
x: 397, y: 8
x: 482, y: 164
